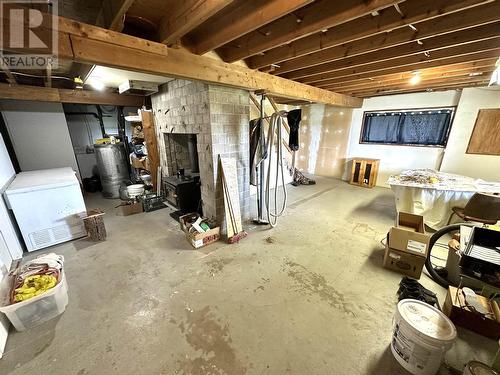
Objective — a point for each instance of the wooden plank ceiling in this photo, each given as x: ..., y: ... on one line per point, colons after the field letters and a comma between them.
x: 360, y: 48
x: 356, y: 47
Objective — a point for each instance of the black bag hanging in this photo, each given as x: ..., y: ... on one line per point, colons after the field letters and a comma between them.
x: 294, y: 116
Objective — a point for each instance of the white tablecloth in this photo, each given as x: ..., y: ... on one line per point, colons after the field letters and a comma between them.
x: 432, y: 194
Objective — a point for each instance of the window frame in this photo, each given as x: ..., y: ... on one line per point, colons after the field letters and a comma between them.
x: 452, y: 118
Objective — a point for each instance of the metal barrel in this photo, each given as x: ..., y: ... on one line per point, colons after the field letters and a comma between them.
x: 112, y: 165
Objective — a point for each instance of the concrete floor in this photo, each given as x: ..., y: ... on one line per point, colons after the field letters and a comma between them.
x: 308, y: 297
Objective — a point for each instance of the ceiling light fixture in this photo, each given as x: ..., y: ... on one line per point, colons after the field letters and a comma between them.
x: 96, y: 83
x: 415, y: 78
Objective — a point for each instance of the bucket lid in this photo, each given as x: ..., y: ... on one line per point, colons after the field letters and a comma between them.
x: 478, y: 368
x: 427, y: 320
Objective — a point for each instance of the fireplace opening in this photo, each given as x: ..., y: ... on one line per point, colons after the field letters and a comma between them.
x: 182, y: 187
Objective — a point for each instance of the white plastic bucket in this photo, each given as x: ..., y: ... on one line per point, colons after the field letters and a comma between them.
x: 421, y: 336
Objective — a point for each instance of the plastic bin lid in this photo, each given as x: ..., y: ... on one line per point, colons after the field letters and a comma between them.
x: 427, y: 320
x: 42, y: 179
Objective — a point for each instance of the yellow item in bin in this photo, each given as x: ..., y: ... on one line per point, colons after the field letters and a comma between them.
x: 433, y: 180
x: 101, y: 141
x: 33, y: 286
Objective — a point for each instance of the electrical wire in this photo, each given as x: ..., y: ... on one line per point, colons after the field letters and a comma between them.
x: 38, y: 76
x: 275, y: 126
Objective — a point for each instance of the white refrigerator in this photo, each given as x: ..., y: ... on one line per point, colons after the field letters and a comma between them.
x: 48, y: 206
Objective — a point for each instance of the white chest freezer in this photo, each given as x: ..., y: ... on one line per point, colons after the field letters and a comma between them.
x: 48, y: 206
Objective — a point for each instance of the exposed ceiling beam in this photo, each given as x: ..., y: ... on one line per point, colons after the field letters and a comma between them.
x: 47, y: 94
x: 114, y: 13
x: 186, y: 16
x: 450, y: 23
x: 426, y: 79
x: 388, y: 68
x: 182, y: 64
x: 91, y: 44
x: 441, y: 71
x: 237, y: 21
x: 436, y: 44
x: 429, y: 87
x: 387, y: 20
x: 313, y: 18
x: 441, y: 55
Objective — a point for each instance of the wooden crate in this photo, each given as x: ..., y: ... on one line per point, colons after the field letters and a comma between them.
x: 364, y: 172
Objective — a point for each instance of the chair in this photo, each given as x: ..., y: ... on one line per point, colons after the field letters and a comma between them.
x: 483, y: 208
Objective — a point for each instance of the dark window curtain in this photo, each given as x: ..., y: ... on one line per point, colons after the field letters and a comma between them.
x: 383, y: 129
x: 407, y: 128
x: 424, y: 129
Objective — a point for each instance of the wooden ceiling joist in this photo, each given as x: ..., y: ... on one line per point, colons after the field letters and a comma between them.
x: 458, y: 21
x: 428, y: 87
x: 435, y: 58
x: 238, y: 21
x: 90, y: 44
x: 431, y: 45
x: 468, y: 58
x: 186, y: 16
x: 47, y: 94
x: 388, y: 19
x: 114, y: 13
x: 404, y: 71
x: 320, y: 15
x: 441, y: 71
x: 426, y: 80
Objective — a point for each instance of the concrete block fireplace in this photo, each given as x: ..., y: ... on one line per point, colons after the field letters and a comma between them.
x: 211, y: 120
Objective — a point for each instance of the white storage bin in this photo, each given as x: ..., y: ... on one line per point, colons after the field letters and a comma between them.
x: 39, y: 309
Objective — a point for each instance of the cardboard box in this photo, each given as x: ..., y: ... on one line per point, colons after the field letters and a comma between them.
x: 198, y: 240
x: 130, y: 209
x: 456, y: 309
x: 139, y: 163
x: 409, y: 235
x: 187, y: 218
x: 403, y: 262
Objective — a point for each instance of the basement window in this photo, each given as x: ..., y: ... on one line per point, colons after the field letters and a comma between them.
x: 414, y: 127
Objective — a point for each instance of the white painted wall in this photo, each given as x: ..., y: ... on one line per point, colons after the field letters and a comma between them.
x: 39, y: 134
x: 456, y: 160
x: 85, y: 129
x: 394, y: 159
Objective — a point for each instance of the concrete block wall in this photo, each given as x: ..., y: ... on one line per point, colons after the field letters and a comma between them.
x: 230, y: 115
x: 219, y: 117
